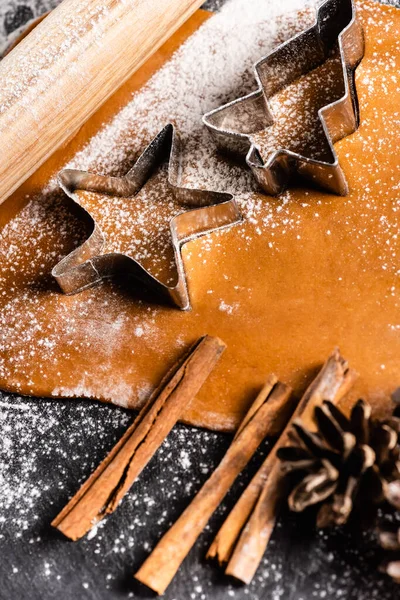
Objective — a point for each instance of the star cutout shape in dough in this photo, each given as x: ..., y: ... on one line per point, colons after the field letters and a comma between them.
x: 306, y: 101
x: 138, y: 230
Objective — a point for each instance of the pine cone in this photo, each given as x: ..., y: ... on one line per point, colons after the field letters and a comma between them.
x: 344, y: 454
x: 389, y: 539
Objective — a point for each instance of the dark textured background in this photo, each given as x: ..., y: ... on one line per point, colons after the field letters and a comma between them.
x: 51, y: 447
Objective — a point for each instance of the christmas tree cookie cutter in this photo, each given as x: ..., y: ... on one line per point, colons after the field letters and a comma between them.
x: 233, y: 124
x: 86, y: 266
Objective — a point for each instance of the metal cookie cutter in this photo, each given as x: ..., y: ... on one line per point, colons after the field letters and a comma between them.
x: 336, y: 27
x: 86, y: 266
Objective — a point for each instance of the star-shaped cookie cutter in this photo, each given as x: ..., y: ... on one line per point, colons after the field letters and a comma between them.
x: 86, y: 266
x: 336, y: 25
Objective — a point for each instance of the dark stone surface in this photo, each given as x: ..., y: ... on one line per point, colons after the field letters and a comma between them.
x: 15, y: 18
x: 50, y: 447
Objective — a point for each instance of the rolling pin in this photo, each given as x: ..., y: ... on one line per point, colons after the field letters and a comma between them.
x: 58, y: 76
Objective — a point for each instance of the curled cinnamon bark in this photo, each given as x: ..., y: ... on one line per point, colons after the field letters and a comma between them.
x: 243, y: 538
x: 270, y: 406
x: 102, y: 492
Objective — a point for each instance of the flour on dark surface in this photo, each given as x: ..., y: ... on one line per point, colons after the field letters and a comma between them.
x: 49, y: 448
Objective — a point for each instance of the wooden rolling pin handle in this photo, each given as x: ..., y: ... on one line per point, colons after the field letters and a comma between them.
x: 67, y: 67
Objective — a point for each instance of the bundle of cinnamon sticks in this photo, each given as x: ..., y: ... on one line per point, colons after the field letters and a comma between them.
x: 244, y: 536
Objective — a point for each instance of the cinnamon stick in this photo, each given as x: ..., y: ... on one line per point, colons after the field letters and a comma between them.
x: 160, y: 567
x: 245, y: 534
x: 102, y: 492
